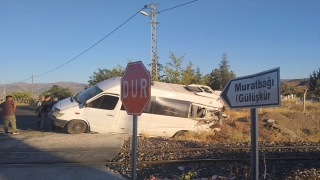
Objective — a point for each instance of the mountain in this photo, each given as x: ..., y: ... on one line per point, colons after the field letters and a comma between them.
x: 40, y: 87
x: 298, y: 85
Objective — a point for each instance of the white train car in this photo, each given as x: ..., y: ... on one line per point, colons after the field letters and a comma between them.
x: 172, y: 108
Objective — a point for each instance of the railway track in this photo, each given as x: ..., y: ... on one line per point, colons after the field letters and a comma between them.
x: 216, y: 160
x: 221, y: 150
x: 190, y: 150
x: 165, y: 161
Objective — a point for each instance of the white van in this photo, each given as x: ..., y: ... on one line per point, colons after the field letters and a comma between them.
x: 172, y: 108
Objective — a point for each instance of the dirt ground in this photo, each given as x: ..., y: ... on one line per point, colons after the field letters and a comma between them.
x: 305, y: 125
x: 288, y: 126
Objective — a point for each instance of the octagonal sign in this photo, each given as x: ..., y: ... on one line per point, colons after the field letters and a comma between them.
x: 135, y: 88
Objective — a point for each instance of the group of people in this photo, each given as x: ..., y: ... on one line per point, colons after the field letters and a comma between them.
x: 43, y: 108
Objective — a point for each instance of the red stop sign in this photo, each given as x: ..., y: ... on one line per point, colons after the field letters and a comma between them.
x: 135, y: 88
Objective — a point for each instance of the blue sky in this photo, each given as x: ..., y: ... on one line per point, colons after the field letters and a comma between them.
x: 37, y: 36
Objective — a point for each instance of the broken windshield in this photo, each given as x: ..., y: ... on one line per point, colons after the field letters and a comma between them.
x: 87, y: 94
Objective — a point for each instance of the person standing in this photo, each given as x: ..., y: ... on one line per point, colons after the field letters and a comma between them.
x: 50, y: 106
x: 45, y: 120
x: 38, y: 110
x: 8, y: 109
x: 55, y: 100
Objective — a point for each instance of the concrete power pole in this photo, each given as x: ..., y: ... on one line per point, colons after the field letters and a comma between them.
x: 32, y: 88
x: 304, y: 100
x: 4, y: 89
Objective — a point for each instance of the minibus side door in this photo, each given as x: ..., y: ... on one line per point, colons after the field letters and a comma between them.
x: 124, y: 122
x: 101, y: 113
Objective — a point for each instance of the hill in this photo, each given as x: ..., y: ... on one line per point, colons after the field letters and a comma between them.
x: 297, y: 85
x: 40, y: 87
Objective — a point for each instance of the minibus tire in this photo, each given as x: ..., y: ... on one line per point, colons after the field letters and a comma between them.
x: 77, y: 127
x: 180, y: 134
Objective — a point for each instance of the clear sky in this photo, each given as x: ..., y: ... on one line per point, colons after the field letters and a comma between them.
x: 37, y: 36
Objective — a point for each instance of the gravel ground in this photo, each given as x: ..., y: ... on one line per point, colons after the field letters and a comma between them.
x: 302, y: 169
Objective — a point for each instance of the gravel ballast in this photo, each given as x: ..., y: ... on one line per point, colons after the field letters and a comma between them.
x: 302, y: 169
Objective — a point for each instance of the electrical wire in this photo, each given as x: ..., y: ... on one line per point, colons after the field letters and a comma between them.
x: 177, y: 6
x: 90, y: 46
x: 106, y: 37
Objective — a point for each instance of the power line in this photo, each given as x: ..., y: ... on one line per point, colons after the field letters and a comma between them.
x: 89, y: 47
x: 106, y: 37
x: 177, y: 6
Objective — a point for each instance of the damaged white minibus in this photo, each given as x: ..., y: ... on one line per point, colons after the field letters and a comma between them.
x: 173, y: 108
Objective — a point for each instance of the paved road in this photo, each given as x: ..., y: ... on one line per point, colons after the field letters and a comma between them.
x: 54, y: 155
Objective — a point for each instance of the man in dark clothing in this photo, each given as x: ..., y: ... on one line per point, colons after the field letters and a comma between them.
x: 8, y: 108
x: 55, y: 100
x: 38, y: 110
x: 50, y: 106
x: 45, y: 120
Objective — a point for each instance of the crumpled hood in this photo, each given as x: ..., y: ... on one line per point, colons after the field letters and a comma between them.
x: 65, y: 104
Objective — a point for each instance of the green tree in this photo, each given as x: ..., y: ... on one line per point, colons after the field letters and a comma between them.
x: 199, y: 78
x: 159, y: 70
x: 104, y: 74
x: 173, y: 69
x: 206, y: 79
x: 21, y: 96
x: 300, y: 94
x: 57, y: 91
x: 188, y: 75
x: 314, y: 82
x: 285, y: 88
x: 220, y: 77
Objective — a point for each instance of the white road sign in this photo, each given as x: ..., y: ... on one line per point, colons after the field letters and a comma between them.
x: 257, y: 90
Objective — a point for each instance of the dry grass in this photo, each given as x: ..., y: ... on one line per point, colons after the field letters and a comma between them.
x: 145, y: 135
x: 196, y: 136
x: 236, y: 114
x: 22, y: 104
x: 295, y: 106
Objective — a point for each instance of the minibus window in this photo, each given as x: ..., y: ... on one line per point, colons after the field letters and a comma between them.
x: 171, y: 107
x: 109, y: 102
x: 87, y: 94
x: 104, y: 102
x: 150, y: 106
x: 148, y: 109
x: 95, y: 103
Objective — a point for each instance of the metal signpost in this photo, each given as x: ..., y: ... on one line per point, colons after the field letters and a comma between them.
x: 135, y: 95
x: 253, y: 91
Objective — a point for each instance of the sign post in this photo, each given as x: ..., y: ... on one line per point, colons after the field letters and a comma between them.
x: 135, y: 95
x: 257, y: 90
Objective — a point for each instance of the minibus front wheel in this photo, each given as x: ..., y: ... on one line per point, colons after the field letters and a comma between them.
x: 77, y: 127
x: 180, y: 134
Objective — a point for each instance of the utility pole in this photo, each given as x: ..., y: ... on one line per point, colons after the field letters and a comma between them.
x: 4, y: 89
x: 32, y: 88
x: 154, y: 49
x: 304, y: 100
